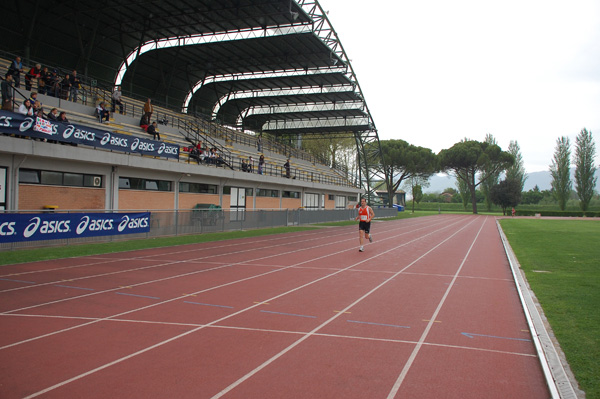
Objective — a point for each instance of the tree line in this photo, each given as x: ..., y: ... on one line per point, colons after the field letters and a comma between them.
x: 478, y: 166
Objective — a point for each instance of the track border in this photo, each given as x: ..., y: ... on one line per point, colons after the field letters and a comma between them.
x: 557, y: 379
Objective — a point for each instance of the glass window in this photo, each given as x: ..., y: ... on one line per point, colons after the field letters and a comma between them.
x: 48, y: 177
x: 227, y: 190
x: 124, y: 182
x: 29, y: 176
x: 151, y: 185
x: 73, y: 179
x: 330, y: 197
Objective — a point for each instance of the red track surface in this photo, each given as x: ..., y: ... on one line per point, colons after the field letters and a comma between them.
x: 429, y: 310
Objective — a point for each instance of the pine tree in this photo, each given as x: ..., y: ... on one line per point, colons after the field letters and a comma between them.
x: 517, y: 171
x: 585, y: 152
x: 560, y: 171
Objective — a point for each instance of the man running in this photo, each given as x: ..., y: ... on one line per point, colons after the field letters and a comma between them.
x: 365, y: 214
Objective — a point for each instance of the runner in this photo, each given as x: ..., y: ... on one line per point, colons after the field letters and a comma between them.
x: 365, y: 214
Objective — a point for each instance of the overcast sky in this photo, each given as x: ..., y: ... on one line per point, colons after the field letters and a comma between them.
x: 434, y: 72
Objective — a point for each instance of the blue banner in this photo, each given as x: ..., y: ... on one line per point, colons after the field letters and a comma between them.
x: 54, y: 226
x: 31, y: 126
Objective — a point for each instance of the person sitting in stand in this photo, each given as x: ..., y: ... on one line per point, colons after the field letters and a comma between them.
x: 33, y: 97
x: 62, y: 117
x: 153, y: 131
x: 116, y: 100
x: 42, y: 89
x: 37, y: 107
x: 53, y: 115
x: 34, y: 73
x: 103, y: 114
x: 26, y: 108
x: 197, y: 153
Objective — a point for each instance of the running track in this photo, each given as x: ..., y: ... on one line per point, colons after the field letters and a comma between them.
x: 429, y: 310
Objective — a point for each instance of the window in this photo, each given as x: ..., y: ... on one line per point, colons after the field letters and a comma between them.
x: 261, y: 192
x: 135, y: 183
x: 32, y: 176
x: 198, y: 188
x: 55, y: 178
x: 352, y: 198
x: 291, y: 194
x: 331, y: 197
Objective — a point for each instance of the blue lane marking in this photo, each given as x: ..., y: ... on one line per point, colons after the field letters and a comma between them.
x: 139, y: 296
x: 17, y: 281
x: 77, y: 288
x: 209, y: 304
x: 289, y: 314
x: 471, y: 335
x: 377, y: 324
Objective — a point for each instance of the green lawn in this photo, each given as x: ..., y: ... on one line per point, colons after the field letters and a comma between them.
x: 561, y: 259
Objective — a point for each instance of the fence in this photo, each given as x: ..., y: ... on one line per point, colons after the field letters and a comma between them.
x: 200, y: 221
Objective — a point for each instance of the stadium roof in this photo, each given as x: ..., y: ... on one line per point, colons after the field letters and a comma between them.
x: 271, y: 65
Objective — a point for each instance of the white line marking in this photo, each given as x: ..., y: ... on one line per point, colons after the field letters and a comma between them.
x: 432, y: 319
x: 252, y: 307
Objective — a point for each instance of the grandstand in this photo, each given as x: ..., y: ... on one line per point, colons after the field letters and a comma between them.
x: 274, y: 67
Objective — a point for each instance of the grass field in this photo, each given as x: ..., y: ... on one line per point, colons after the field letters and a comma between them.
x: 561, y: 259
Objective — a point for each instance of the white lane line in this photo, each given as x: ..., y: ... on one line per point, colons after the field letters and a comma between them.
x: 179, y: 297
x: 432, y: 319
x: 247, y: 309
x: 315, y: 330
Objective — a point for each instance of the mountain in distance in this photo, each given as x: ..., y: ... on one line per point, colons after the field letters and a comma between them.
x: 440, y: 182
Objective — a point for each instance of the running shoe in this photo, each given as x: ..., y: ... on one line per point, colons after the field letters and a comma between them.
x: 370, y: 238
x: 361, y: 249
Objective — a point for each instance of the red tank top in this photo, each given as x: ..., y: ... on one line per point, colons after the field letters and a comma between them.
x: 363, y: 213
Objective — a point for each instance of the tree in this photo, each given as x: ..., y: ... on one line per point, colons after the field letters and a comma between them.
x: 403, y: 161
x: 506, y: 194
x: 560, y: 171
x: 490, y: 176
x: 463, y: 189
x: 415, y: 184
x: 585, y: 152
x: 517, y: 171
x: 468, y: 158
x: 533, y: 196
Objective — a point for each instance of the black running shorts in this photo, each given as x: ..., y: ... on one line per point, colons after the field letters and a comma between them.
x: 366, y: 226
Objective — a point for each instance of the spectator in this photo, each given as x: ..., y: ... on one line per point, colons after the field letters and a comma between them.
x: 153, y: 131
x: 34, y: 73
x: 261, y: 164
x: 259, y: 142
x: 62, y: 117
x: 39, y: 112
x: 197, y: 153
x: 37, y: 107
x: 15, y: 69
x: 244, y: 165
x: 116, y: 100
x: 148, y: 110
x: 26, y: 108
x: 42, y: 89
x: 74, y: 88
x: 65, y: 87
x: 286, y: 166
x: 7, y: 92
x: 53, y: 84
x: 250, y: 165
x: 33, y: 97
x: 53, y: 115
x: 102, y: 112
